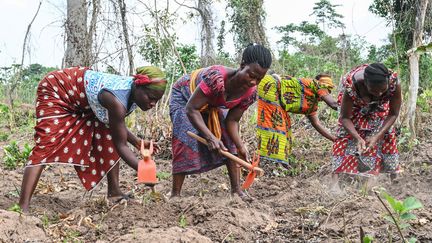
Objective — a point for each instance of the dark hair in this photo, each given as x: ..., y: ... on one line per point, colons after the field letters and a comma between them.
x: 256, y: 53
x: 322, y: 75
x: 376, y: 73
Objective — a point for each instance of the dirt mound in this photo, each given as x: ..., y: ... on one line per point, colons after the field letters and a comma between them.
x: 173, y: 234
x: 19, y: 228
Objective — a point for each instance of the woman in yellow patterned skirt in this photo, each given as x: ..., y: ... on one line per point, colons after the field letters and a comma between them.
x: 279, y: 96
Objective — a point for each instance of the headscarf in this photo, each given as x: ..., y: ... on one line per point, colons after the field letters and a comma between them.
x: 146, y: 75
x: 325, y: 83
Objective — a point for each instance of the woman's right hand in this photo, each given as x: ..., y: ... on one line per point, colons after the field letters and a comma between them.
x: 361, y: 145
x: 215, y: 145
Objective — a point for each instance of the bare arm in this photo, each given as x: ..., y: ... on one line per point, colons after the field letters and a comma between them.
x: 320, y: 128
x: 330, y: 101
x: 395, y: 105
x: 134, y: 140
x: 345, y: 115
x: 119, y: 132
x: 196, y: 101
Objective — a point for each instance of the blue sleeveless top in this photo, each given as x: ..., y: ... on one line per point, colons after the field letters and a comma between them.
x: 119, y: 86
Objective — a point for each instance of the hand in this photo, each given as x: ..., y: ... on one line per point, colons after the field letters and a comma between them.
x: 244, y: 153
x: 361, y: 145
x: 371, y: 141
x: 215, y: 145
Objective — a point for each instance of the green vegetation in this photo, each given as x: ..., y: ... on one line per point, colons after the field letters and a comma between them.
x: 14, y: 157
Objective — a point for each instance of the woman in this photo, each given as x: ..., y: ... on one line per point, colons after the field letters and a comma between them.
x: 370, y: 103
x: 220, y: 95
x: 277, y: 97
x: 81, y: 122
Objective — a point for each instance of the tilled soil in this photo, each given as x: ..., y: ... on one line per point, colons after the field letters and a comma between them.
x: 285, y: 208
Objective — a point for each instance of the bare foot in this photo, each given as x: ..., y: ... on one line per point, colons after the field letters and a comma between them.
x: 243, y: 196
x: 115, y: 199
x: 174, y: 195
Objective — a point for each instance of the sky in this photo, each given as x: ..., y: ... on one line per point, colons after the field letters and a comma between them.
x: 46, y: 39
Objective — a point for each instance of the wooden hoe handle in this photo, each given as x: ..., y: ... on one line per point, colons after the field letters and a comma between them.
x: 228, y: 154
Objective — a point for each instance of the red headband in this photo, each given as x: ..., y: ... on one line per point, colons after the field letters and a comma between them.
x: 141, y: 79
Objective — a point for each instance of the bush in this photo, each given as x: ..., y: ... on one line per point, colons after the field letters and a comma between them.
x: 14, y: 157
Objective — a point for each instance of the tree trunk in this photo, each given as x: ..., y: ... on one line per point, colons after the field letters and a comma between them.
x: 207, y: 33
x: 421, y: 7
x: 77, y: 50
x: 91, y: 56
x: 248, y: 17
x: 413, y: 91
x: 122, y: 5
x: 258, y: 33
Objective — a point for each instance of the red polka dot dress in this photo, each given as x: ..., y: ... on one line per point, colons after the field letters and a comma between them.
x: 367, y: 118
x: 68, y: 131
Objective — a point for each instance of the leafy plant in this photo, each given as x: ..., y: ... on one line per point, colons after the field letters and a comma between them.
x: 400, y: 212
x: 424, y: 100
x: 14, y: 157
x: 182, y: 221
x: 162, y: 175
x: 367, y: 239
x: 15, y: 208
x: 4, y: 137
x: 405, y: 143
x: 402, y: 209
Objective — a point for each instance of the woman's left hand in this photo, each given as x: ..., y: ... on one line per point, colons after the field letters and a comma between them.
x: 371, y: 142
x: 244, y: 153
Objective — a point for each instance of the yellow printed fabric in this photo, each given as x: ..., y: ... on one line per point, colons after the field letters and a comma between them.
x: 300, y: 96
x: 277, y: 98
x: 273, y: 124
x: 213, y: 121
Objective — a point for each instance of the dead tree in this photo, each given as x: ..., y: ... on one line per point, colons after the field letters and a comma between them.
x: 122, y: 5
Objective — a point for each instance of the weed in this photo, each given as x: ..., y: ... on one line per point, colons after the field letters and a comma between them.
x: 424, y: 100
x: 45, y: 221
x: 4, y: 137
x: 367, y: 239
x: 14, y: 157
x: 71, y: 236
x: 15, y: 208
x: 405, y: 141
x: 163, y: 175
x: 182, y: 221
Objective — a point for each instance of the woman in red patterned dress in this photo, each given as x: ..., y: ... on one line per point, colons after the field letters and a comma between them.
x: 370, y: 103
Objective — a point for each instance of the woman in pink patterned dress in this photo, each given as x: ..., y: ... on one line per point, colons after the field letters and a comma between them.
x: 229, y: 92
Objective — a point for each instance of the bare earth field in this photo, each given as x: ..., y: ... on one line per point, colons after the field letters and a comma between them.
x: 284, y: 209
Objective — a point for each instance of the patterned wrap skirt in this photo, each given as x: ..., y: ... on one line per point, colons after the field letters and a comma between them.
x: 68, y: 132
x: 368, y: 120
